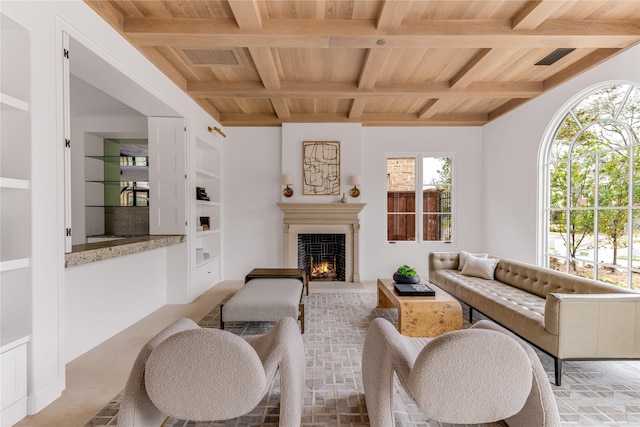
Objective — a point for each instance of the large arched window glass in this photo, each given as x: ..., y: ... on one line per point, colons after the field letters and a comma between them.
x: 592, y: 199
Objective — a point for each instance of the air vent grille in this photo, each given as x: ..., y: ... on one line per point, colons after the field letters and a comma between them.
x: 555, y: 56
x: 204, y: 57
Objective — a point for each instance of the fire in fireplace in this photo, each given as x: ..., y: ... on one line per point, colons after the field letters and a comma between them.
x: 322, y: 256
x: 323, y: 270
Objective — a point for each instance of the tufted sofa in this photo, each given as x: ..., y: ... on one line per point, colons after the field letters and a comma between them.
x: 566, y: 316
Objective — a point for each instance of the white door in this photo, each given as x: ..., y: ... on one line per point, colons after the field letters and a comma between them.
x: 167, y: 175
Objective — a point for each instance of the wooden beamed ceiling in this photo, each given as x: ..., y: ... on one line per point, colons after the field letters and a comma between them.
x: 375, y: 62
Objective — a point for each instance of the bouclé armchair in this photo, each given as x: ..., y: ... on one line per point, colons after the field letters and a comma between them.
x: 202, y: 374
x: 473, y: 376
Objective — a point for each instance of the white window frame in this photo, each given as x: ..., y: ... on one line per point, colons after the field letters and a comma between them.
x: 543, y: 183
x: 419, y: 213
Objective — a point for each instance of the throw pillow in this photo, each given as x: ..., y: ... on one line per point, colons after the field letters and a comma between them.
x: 480, y: 267
x: 462, y: 259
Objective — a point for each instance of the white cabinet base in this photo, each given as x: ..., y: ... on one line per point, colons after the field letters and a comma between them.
x: 14, y: 413
x: 207, y: 275
x: 13, y: 397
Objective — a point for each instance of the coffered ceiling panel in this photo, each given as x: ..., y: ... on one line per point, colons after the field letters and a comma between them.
x: 386, y: 62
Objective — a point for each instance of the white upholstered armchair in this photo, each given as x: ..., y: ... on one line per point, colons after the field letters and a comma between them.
x: 478, y: 375
x: 202, y: 374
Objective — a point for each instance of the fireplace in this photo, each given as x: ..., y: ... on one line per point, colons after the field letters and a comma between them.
x: 323, y: 219
x: 322, y: 256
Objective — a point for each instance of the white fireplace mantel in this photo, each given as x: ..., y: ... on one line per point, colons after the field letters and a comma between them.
x: 323, y: 218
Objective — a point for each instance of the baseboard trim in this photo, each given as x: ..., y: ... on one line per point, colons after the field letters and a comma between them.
x: 38, y: 401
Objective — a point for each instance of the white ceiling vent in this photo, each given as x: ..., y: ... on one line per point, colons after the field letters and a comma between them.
x: 211, y: 57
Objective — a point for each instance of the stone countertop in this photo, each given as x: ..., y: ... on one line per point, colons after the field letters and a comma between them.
x: 92, y: 252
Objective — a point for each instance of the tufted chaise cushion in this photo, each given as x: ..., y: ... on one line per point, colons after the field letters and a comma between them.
x: 263, y: 300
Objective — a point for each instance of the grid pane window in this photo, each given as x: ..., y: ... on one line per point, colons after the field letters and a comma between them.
x: 593, y: 163
x: 407, y: 200
x: 401, y: 199
x: 436, y: 199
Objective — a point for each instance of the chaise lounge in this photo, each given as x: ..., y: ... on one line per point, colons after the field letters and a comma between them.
x: 566, y: 316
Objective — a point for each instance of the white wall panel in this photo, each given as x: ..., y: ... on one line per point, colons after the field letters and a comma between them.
x: 103, y: 298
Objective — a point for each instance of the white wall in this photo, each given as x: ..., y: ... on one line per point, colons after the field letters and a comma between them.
x: 253, y: 222
x: 381, y: 259
x: 510, y: 156
x: 251, y: 189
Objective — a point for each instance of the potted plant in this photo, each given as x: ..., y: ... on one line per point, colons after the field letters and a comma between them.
x: 406, y: 274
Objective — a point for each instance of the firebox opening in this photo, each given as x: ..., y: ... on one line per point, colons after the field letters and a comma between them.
x: 322, y: 256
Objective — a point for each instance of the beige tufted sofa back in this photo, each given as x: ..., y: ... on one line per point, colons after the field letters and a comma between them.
x: 542, y: 281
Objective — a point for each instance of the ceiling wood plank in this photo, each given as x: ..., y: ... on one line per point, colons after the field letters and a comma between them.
x: 464, y: 77
x: 578, y: 67
x: 203, y: 32
x: 357, y: 108
x: 247, y: 14
x: 266, y: 66
x: 373, y: 63
x: 165, y: 66
x: 424, y: 113
x: 107, y: 12
x: 210, y: 109
x: 506, y: 107
x: 392, y: 14
x: 281, y: 108
x: 535, y: 13
x: 198, y: 89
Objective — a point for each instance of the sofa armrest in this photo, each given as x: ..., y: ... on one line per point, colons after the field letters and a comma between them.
x: 594, y: 325
x: 443, y: 260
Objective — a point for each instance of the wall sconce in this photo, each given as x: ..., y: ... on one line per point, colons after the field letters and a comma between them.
x: 355, y: 181
x: 287, y: 180
x: 217, y: 129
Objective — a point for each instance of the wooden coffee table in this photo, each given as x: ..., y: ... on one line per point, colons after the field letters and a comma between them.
x: 421, y: 316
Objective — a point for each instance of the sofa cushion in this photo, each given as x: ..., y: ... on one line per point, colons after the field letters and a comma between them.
x: 483, y: 268
x: 465, y: 255
x: 518, y: 310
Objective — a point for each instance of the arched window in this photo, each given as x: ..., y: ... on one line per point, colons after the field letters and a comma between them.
x: 592, y: 188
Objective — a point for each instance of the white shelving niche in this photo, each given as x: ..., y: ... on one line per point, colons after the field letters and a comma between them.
x: 15, y: 219
x: 207, y: 221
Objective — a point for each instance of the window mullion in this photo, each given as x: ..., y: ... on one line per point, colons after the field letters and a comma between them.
x: 568, y: 216
x: 419, y: 197
x: 596, y: 218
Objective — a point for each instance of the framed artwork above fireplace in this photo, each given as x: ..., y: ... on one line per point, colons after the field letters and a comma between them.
x: 321, y: 168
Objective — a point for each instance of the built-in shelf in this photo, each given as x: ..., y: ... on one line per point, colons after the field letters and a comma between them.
x: 9, y: 103
x: 14, y: 264
x: 206, y: 174
x: 16, y: 314
x: 18, y: 184
x: 207, y: 203
x: 208, y: 232
x: 207, y: 261
x: 9, y: 343
x: 207, y: 166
